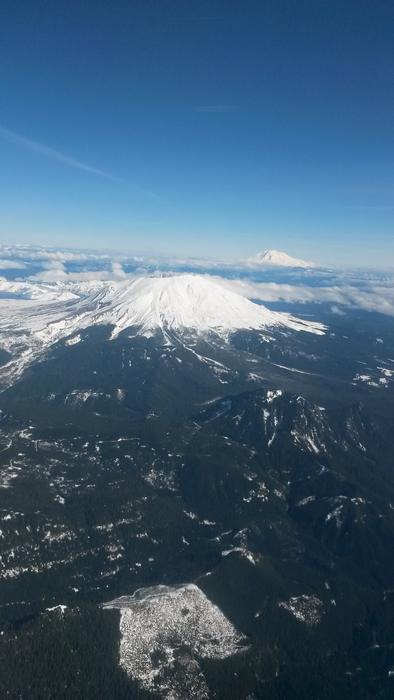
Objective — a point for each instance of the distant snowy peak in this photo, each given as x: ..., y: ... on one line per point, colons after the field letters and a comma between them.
x: 278, y: 257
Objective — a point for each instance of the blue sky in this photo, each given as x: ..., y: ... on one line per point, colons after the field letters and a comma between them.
x: 199, y: 128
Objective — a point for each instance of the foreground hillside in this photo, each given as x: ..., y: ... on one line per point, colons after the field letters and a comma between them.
x: 196, y: 511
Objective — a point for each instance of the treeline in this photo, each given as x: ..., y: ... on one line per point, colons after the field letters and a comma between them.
x: 65, y: 655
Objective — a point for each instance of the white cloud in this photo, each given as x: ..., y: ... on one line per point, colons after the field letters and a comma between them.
x: 38, y: 253
x: 337, y: 310
x: 12, y: 265
x: 55, y: 271
x: 378, y: 298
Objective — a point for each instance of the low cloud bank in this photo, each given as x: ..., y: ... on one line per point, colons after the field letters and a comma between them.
x: 375, y: 297
x: 367, y: 290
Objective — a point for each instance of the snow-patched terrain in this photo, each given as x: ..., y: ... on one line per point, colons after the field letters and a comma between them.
x: 165, y: 630
x: 34, y: 317
x: 278, y: 257
x: 305, y: 608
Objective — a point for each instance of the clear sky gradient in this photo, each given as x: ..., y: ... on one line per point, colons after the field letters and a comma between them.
x: 209, y: 128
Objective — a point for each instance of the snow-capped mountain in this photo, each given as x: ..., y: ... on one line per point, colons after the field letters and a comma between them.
x: 176, y: 303
x: 32, y: 320
x: 278, y: 257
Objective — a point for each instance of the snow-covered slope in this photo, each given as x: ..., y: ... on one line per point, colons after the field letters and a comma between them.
x: 174, y: 304
x: 192, y: 302
x: 278, y: 257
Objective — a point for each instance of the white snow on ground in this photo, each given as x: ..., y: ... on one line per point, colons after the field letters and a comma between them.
x: 165, y: 630
x: 383, y: 379
x: 58, y: 608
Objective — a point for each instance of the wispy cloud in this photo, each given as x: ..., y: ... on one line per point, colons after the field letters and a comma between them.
x: 48, y: 152
x: 216, y: 109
